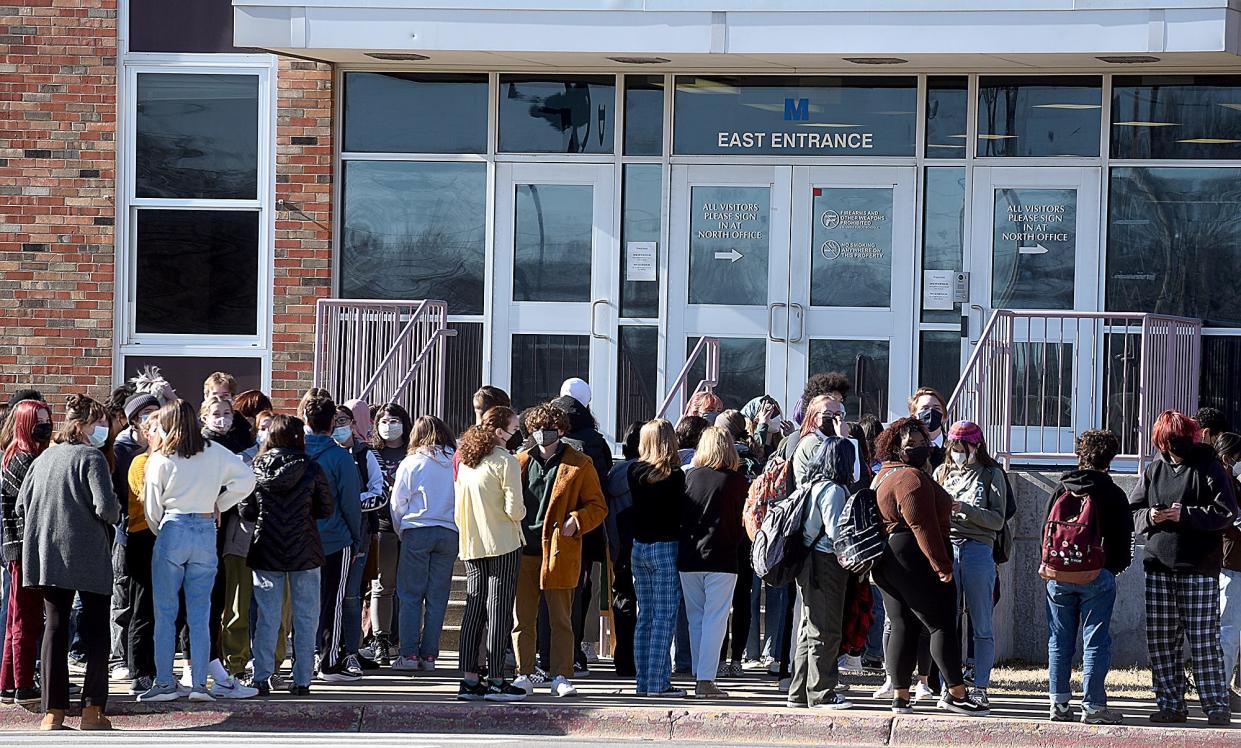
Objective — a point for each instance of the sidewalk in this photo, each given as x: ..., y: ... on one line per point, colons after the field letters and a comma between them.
x: 423, y: 703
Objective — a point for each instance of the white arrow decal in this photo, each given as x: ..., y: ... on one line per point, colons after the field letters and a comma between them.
x: 1038, y: 249
x: 733, y: 255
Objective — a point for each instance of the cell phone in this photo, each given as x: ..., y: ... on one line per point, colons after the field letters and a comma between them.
x: 1162, y: 507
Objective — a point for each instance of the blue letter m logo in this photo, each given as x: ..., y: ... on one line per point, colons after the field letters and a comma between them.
x: 797, y: 109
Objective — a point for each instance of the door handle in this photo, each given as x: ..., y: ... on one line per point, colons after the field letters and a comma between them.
x: 801, y: 322
x: 593, y: 305
x: 771, y: 315
x: 982, y: 317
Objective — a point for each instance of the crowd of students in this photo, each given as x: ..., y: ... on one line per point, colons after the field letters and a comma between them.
x: 140, y: 526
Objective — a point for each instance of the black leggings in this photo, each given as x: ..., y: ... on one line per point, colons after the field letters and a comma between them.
x: 914, y: 597
x: 93, y: 626
x: 735, y: 638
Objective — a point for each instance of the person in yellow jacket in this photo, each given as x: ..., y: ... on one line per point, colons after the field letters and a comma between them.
x: 563, y: 500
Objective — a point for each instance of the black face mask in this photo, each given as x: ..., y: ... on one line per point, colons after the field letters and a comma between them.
x: 932, y: 419
x: 1180, y: 446
x: 514, y: 442
x: 42, y: 432
x: 916, y: 456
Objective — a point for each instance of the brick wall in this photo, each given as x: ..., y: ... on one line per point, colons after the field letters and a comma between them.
x: 303, y: 250
x: 57, y: 180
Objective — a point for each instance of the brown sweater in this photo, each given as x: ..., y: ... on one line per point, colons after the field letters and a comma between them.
x: 909, y: 498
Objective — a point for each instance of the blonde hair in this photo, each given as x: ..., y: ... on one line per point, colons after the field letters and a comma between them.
x: 716, y: 450
x: 220, y: 379
x: 657, y: 447
x: 205, y: 411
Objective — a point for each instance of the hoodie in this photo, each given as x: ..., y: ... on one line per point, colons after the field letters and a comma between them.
x: 1115, y: 520
x: 422, y: 491
x: 290, y: 495
x: 1208, y: 507
x: 343, y: 528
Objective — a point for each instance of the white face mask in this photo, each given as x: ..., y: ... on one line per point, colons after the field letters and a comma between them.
x: 262, y: 437
x: 98, y: 436
x: 391, y: 430
x: 775, y: 422
x: 221, y: 424
x: 960, y: 458
x: 342, y: 434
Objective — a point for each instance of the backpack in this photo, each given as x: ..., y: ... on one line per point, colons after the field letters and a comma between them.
x: 771, y: 486
x: 860, y: 539
x: 779, y: 552
x: 1003, y: 548
x: 1072, y: 541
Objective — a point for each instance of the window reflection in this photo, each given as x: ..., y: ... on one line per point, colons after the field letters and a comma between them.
x: 947, y: 100
x: 1182, y: 116
x: 553, y: 241
x: 1042, y: 385
x: 729, y: 243
x: 637, y: 397
x: 1034, y: 248
x: 644, y: 115
x: 743, y: 369
x: 1034, y: 116
x: 939, y: 360
x: 568, y: 114
x: 943, y: 229
x: 415, y: 113
x: 642, y: 210
x: 542, y: 362
x: 851, y: 247
x: 866, y: 364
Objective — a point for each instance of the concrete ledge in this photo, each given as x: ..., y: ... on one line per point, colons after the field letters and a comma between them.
x: 967, y: 731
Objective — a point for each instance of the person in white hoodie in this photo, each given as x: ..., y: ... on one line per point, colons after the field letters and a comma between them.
x: 422, y: 507
x: 189, y: 482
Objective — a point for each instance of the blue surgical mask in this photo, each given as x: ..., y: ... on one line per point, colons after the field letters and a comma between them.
x: 98, y: 436
x: 262, y: 437
x: 342, y: 434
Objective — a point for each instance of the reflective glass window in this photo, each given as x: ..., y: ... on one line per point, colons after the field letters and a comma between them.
x: 567, y: 114
x: 939, y: 360
x: 851, y: 247
x: 1176, y: 116
x: 553, y: 239
x: 943, y: 230
x: 1174, y: 242
x: 1038, y: 116
x: 947, y: 117
x: 1034, y: 248
x: 197, y: 272
x: 542, y: 362
x: 641, y: 208
x: 866, y: 363
x: 197, y: 136
x: 796, y: 115
x: 637, y: 368
x: 415, y: 113
x: 729, y: 243
x: 185, y: 372
x: 1221, y: 360
x: 1042, y: 377
x: 465, y: 360
x: 743, y: 369
x: 414, y: 230
x: 644, y: 115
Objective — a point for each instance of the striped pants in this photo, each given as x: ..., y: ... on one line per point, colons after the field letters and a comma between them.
x: 490, y: 591
x: 658, y: 589
x: 1182, y: 607
x: 332, y: 579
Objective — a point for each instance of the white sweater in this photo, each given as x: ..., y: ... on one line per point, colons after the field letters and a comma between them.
x: 212, y: 479
x: 422, y: 491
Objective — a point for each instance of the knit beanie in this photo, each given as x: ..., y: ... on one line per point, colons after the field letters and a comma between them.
x: 965, y: 431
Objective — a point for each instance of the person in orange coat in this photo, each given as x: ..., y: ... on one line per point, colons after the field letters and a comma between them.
x: 563, y: 502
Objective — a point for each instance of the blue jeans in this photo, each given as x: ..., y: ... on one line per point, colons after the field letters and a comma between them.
x: 874, y: 638
x: 1230, y: 619
x: 184, y: 556
x: 269, y: 602
x: 1091, y: 605
x: 973, y: 568
x: 423, y: 582
x: 351, y: 608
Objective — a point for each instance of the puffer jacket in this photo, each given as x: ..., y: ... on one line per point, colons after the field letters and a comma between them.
x: 291, y: 494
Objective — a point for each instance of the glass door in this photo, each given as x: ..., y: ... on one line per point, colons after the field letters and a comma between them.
x: 729, y: 272
x: 851, y: 294
x: 553, y: 312
x: 1035, y: 246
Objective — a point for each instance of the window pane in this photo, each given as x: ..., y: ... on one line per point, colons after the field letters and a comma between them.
x: 866, y: 363
x: 943, y: 230
x: 642, y: 207
x: 1026, y: 116
x: 939, y: 360
x: 1182, y: 116
x: 465, y: 364
x: 568, y: 114
x: 541, y: 363
x: 197, y: 136
x: 186, y: 374
x: 415, y: 113
x: 554, y: 236
x: 796, y: 115
x: 729, y: 244
x: 637, y: 397
x: 1174, y: 242
x: 851, y: 247
x: 947, y: 100
x: 1221, y: 360
x: 644, y: 115
x: 197, y: 272
x: 1034, y: 248
x: 1122, y: 356
x: 1042, y: 385
x: 743, y: 369
x: 414, y: 230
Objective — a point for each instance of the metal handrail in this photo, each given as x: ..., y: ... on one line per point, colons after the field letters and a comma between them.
x: 711, y: 347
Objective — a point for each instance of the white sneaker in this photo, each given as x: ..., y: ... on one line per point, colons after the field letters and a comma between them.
x: 187, y: 677
x: 885, y: 692
x: 524, y: 683
x: 232, y: 689
x: 120, y: 672
x: 922, y: 691
x: 561, y: 687
x: 201, y: 695
x: 592, y: 655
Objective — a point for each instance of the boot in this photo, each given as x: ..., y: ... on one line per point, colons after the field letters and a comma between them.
x: 53, y: 720
x: 382, y: 648
x: 93, y: 719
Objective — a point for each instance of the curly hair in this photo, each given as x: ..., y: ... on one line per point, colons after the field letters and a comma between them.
x: 546, y: 416
x: 1096, y: 449
x: 825, y: 383
x: 888, y: 444
x: 478, y: 441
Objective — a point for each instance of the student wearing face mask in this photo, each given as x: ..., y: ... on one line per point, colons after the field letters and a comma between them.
x: 979, y: 502
x: 1228, y: 445
x: 928, y: 405
x: 705, y: 404
x: 68, y: 508
x: 1183, y: 503
x: 237, y: 435
x: 390, y: 444
x: 563, y: 500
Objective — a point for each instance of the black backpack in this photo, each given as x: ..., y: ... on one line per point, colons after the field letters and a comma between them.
x: 779, y: 551
x: 860, y: 539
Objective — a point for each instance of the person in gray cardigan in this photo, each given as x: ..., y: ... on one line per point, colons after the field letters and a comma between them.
x: 69, y: 509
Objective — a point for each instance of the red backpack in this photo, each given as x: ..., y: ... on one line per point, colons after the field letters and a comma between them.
x: 768, y: 488
x: 1072, y: 543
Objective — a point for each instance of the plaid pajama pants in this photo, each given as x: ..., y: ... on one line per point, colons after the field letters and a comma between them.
x: 658, y: 589
x: 1183, y: 607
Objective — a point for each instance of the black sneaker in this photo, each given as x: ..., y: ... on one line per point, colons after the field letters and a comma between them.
x: 872, y: 665
x: 504, y: 691
x: 1061, y: 712
x: 902, y: 706
x: 262, y: 686
x: 1215, y: 719
x: 467, y: 692
x: 6, y: 696
x: 1168, y: 717
x: 296, y: 690
x: 30, y: 695
x: 967, y: 706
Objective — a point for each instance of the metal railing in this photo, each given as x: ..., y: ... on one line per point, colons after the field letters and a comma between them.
x: 383, y: 351
x: 710, y: 347
x: 1037, y: 379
